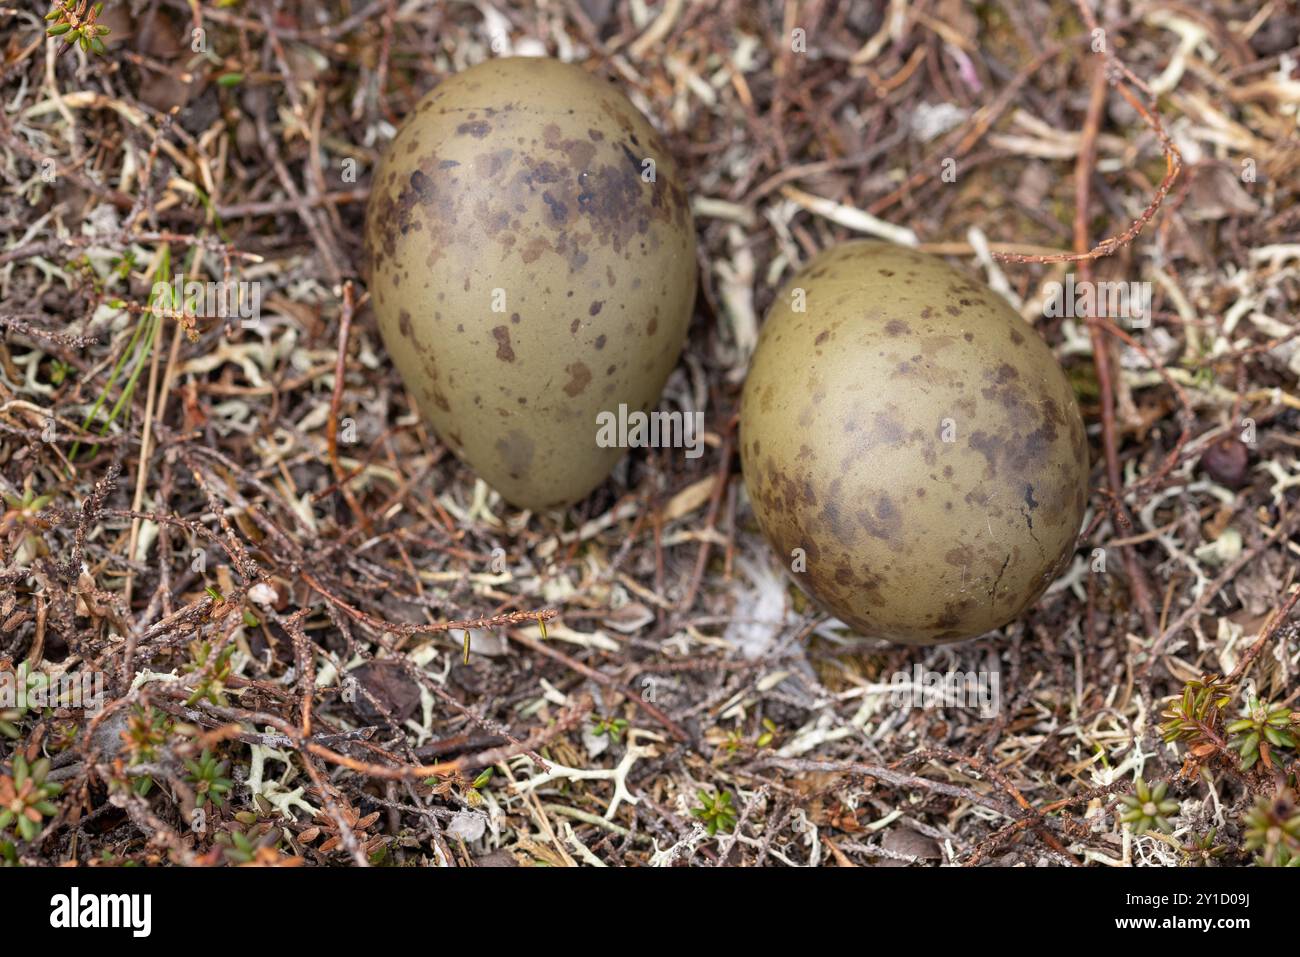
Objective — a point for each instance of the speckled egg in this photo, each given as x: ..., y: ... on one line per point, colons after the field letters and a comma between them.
x: 531, y: 256
x: 910, y: 446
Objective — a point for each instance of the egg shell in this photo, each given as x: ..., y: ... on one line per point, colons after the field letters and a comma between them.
x: 528, y: 272
x: 916, y: 440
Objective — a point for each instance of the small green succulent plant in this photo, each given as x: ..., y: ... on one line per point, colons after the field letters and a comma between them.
x: 208, y: 777
x: 25, y: 797
x: 1264, y: 723
x: 716, y: 811
x: 1148, y: 807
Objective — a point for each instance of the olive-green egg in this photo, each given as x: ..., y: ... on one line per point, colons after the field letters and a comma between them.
x: 910, y: 446
x: 531, y: 255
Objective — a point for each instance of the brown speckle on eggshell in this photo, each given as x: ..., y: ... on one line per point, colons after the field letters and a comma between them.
x: 916, y: 440
x: 514, y: 198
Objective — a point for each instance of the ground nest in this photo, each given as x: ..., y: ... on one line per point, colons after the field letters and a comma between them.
x: 320, y: 639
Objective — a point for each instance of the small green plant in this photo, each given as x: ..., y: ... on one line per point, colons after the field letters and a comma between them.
x: 1264, y: 725
x: 26, y: 506
x: 25, y: 797
x: 137, y: 352
x: 62, y: 735
x: 260, y: 844
x: 76, y: 24
x: 10, y: 718
x: 208, y: 776
x: 123, y: 264
x: 1148, y: 807
x: 145, y: 734
x: 736, y: 740
x: 58, y: 371
x: 473, y: 793
x: 1286, y: 858
x: 1273, y: 830
x: 113, y: 860
x: 716, y: 811
x: 613, y: 728
x: 1196, y: 718
x: 21, y: 521
x: 214, y: 671
x: 455, y: 782
x: 1202, y: 851
x: 241, y: 849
